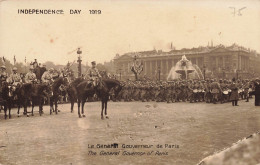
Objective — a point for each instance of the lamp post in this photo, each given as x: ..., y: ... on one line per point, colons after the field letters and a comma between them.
x: 120, y: 73
x: 204, y: 72
x: 223, y: 70
x: 237, y: 72
x: 79, y: 61
x: 159, y: 71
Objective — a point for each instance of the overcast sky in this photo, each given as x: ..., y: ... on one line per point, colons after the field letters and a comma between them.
x: 122, y: 27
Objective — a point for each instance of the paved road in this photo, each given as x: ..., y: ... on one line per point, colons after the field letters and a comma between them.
x: 194, y: 131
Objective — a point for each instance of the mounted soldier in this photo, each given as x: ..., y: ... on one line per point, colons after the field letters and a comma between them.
x: 3, y: 75
x: 15, y: 78
x: 30, y: 77
x: 47, y: 76
x: 93, y: 74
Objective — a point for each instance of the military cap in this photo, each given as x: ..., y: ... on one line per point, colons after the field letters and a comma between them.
x: 93, y: 62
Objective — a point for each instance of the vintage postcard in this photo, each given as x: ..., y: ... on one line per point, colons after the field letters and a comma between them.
x: 131, y: 82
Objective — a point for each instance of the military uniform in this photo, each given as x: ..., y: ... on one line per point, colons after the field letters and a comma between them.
x: 234, y: 93
x: 92, y: 75
x: 47, y: 77
x: 30, y: 77
x: 15, y: 79
x: 215, y: 90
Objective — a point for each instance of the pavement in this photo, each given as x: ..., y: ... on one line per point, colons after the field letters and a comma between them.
x: 175, y: 133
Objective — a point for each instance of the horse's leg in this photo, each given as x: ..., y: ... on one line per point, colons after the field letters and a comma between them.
x: 79, y: 101
x: 56, y: 105
x: 40, y: 105
x: 25, y: 107
x: 103, y: 105
x: 9, y: 108
x: 33, y: 102
x: 5, y: 109
x: 71, y: 104
x: 19, y: 106
x: 82, y: 107
x: 51, y: 104
x: 106, y: 108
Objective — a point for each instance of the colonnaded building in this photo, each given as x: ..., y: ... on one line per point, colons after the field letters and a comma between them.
x: 223, y: 62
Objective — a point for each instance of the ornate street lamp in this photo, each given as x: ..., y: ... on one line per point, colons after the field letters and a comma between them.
x: 223, y: 70
x: 159, y: 71
x: 79, y: 61
x: 237, y: 73
x: 204, y: 71
x: 120, y: 73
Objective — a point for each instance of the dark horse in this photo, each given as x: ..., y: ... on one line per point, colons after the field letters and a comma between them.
x: 103, y: 92
x: 72, y: 91
x: 23, y: 92
x: 57, y: 87
x: 85, y: 90
x: 7, y: 98
x: 37, y: 94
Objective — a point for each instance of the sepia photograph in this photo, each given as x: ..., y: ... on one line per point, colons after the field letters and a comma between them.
x: 129, y: 82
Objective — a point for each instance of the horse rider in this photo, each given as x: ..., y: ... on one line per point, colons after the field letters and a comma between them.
x: 47, y: 76
x: 30, y: 77
x: 93, y: 74
x: 14, y: 78
x: 3, y: 75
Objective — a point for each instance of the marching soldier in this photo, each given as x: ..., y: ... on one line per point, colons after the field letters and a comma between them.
x: 215, y: 90
x: 93, y: 74
x: 47, y: 76
x: 234, y: 92
x: 30, y: 77
x: 246, y: 87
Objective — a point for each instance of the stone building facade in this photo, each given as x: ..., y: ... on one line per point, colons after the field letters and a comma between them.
x: 214, y: 61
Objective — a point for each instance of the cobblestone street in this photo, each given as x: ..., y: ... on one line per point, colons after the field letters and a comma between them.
x: 198, y: 129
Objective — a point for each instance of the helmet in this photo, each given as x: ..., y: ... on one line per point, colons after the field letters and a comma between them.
x: 14, y: 69
x: 3, y: 67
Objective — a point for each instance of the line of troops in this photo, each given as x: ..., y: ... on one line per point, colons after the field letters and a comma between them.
x: 210, y: 91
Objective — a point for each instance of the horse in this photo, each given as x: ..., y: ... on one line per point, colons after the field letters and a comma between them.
x: 7, y: 98
x: 84, y: 91
x: 23, y: 92
x: 57, y: 88
x: 37, y: 94
x: 102, y: 89
x: 72, y: 91
x: 103, y: 92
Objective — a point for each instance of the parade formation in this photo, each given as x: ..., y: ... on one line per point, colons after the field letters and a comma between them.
x: 48, y: 86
